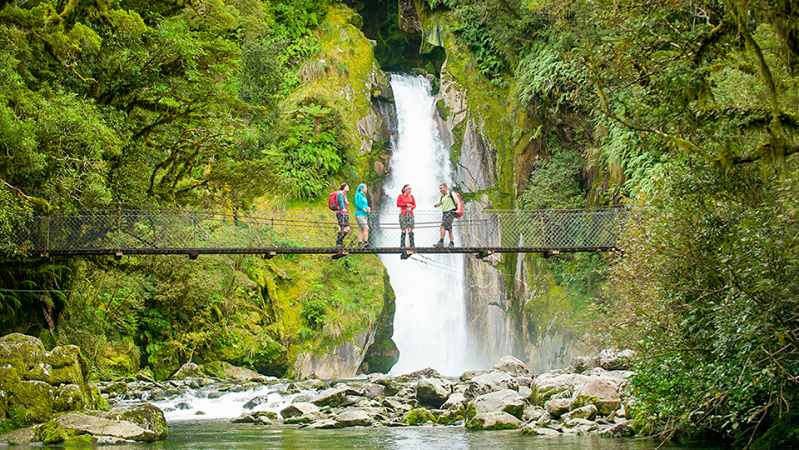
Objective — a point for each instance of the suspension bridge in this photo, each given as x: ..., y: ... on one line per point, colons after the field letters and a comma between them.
x: 479, y: 231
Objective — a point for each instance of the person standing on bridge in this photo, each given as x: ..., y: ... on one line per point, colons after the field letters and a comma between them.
x: 362, y: 211
x: 342, y: 214
x: 406, y: 203
x: 449, y: 206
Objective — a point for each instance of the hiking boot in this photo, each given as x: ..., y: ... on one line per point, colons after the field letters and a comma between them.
x: 451, y: 244
x: 439, y: 244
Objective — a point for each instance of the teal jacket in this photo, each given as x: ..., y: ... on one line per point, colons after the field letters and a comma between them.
x: 360, y: 202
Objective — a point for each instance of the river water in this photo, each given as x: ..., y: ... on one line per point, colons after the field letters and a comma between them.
x: 218, y: 434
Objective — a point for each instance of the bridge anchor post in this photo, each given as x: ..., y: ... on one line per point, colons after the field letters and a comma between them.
x: 406, y: 254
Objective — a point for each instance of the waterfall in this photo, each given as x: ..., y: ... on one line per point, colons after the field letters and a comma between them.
x: 430, y: 320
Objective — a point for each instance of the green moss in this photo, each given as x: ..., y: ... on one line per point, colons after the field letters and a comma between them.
x: 542, y: 396
x: 443, y: 110
x: 33, y: 402
x: 383, y: 353
x: 298, y: 420
x: 147, y: 416
x: 419, y: 416
x: 52, y: 433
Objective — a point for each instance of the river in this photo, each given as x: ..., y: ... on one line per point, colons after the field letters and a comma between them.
x: 220, y: 434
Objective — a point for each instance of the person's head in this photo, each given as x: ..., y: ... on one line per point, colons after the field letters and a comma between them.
x: 442, y: 188
x: 406, y: 189
x: 344, y: 187
x: 361, y: 188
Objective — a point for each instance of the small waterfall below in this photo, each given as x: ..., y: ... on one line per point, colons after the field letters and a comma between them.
x: 430, y: 327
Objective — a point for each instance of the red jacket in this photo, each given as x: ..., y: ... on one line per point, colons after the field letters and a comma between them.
x: 403, y: 201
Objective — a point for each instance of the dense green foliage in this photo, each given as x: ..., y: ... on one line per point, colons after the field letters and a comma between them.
x: 690, y: 109
x: 161, y: 104
x: 709, y: 284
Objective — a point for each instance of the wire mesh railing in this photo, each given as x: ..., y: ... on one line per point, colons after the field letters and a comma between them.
x: 160, y: 231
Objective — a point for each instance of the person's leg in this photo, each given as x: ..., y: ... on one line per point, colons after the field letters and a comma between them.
x: 339, y: 237
x: 402, y: 239
x: 410, y: 237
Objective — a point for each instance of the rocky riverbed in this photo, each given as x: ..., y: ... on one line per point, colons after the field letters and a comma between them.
x: 587, y: 398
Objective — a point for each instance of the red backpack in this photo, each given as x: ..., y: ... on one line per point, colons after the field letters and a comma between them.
x: 332, y: 201
x: 458, y: 204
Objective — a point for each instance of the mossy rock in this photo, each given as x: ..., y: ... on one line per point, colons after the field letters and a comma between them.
x: 20, y: 351
x: 419, y: 416
x: 34, y: 400
x: 539, y: 397
x: 9, y: 378
x: 268, y: 414
x: 69, y: 397
x: 496, y: 421
x: 298, y: 420
x: 3, y: 405
x: 147, y: 416
x: 52, y: 433
x: 226, y: 371
x: 450, y: 417
x: 188, y: 370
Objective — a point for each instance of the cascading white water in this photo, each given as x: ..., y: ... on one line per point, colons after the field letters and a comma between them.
x: 430, y: 320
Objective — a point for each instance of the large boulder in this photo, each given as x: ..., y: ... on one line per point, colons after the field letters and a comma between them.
x: 226, y: 371
x: 428, y: 372
x: 456, y: 400
x: 506, y: 400
x: 188, y: 370
x: 551, y: 384
x: 299, y: 409
x: 601, y: 394
x: 433, y: 391
x: 558, y: 407
x: 329, y: 397
x: 70, y: 425
x: 489, y: 382
x: 610, y: 359
x: 587, y: 412
x: 469, y: 374
x: 493, y: 421
x: 354, y: 418
x: 146, y: 415
x: 513, y: 366
x: 36, y: 383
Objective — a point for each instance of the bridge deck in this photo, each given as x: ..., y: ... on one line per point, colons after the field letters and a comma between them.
x: 193, y: 233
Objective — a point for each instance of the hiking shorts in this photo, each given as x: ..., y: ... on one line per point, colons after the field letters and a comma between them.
x: 343, y: 220
x: 406, y: 221
x: 447, y: 218
x: 363, y: 221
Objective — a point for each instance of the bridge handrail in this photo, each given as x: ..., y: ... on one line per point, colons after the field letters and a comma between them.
x: 127, y: 229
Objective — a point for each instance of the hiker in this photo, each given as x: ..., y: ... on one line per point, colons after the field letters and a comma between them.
x: 342, y: 214
x: 362, y: 211
x: 448, y: 205
x: 406, y: 203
